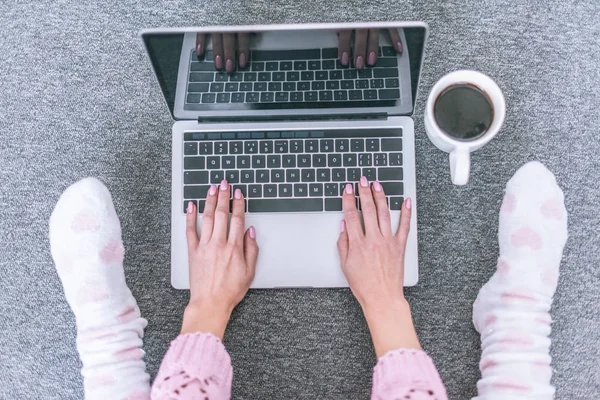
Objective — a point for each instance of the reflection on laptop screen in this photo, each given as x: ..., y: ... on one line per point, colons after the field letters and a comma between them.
x: 275, y: 71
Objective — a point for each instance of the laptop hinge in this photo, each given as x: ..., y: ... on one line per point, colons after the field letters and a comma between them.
x: 284, y: 118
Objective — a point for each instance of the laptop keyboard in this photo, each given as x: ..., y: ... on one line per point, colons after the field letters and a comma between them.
x: 300, y: 171
x: 294, y: 76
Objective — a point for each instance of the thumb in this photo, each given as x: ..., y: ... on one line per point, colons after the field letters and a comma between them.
x: 250, y: 250
x: 342, y: 242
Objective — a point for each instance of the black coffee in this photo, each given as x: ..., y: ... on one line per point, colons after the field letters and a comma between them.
x: 463, y: 111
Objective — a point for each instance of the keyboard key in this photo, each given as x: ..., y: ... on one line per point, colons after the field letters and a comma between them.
x: 329, y: 64
x: 303, y: 85
x: 370, y: 174
x: 296, y: 54
x: 333, y: 204
x: 252, y: 97
x: 316, y: 189
x: 320, y: 76
x: 285, y: 66
x: 332, y: 189
x: 250, y: 76
x: 193, y: 162
x: 370, y: 94
x: 190, y: 149
x: 232, y: 176
x: 390, y: 174
x: 269, y: 191
x: 246, y: 87
x: 385, y: 73
x: 289, y: 86
x: 281, y: 96
x: 185, y: 205
x: 388, y: 51
x: 300, y: 190
x: 380, y: 159
x: 237, y: 97
x: 274, y: 86
x: 221, y: 77
x: 279, y: 76
x: 357, y: 145
x: 195, y: 177
x: 365, y: 160
x: 263, y: 176
x: 209, y: 98
x: 334, y: 160
x: 232, y: 87
x: 223, y: 97
x: 347, y: 85
x: 198, y: 87
x: 288, y: 161
x: 387, y: 62
x: 323, y: 175
x: 272, y: 66
x: 292, y: 76
x: 392, y: 83
x: 286, y: 190
x: 311, y: 146
x: 247, y: 176
x: 350, y: 74
x: 205, y: 148
x: 195, y: 192
x: 236, y: 77
x: 365, y: 73
x: 308, y: 175
x: 311, y: 96
x: 313, y: 65
x: 325, y: 95
x: 353, y: 174
x: 362, y: 84
x: 376, y: 83
x: 330, y: 52
x: 243, y: 189
x: 393, y: 188
x: 326, y: 145
x: 266, y: 146
x: 259, y: 162
x: 338, y: 175
x: 267, y: 97
x: 260, y: 86
x: 292, y: 175
x: 243, y: 161
x: 202, y: 66
x: 264, y: 76
x: 300, y: 65
x: 202, y: 77
x: 332, y: 85
x: 396, y: 203
x: 389, y: 144
x: 296, y: 96
x: 251, y: 147
x: 193, y: 98
x: 395, y: 159
x: 254, y: 191
x: 318, y: 85
x: 277, y: 175
x: 335, y: 75
x: 319, y: 160
x: 285, y: 205
x: 274, y: 161
x: 221, y: 148
x: 342, y: 145
x: 372, y: 145
x: 216, y: 177
x: 258, y: 66
x: 228, y: 162
x: 228, y: 135
x: 349, y: 160
x: 258, y: 135
x: 304, y: 161
x: 389, y: 94
x: 296, y: 146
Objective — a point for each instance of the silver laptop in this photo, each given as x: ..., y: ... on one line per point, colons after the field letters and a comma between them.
x: 290, y: 114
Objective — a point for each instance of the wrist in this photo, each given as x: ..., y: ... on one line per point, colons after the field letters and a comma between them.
x: 208, y: 318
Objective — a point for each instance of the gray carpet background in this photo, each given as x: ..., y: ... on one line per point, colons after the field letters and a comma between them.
x: 78, y: 98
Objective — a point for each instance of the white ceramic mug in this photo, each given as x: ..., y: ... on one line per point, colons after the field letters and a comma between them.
x: 460, y: 149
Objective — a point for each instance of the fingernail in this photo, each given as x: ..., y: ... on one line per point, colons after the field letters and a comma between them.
x: 360, y: 62
x: 342, y: 226
x: 199, y: 50
x: 399, y: 47
x: 218, y: 62
x: 408, y: 203
x: 237, y: 194
x: 243, y: 60
x: 223, y: 185
x: 229, y: 65
x: 190, y: 207
x: 213, y: 190
x: 252, y: 232
x: 377, y: 186
x: 345, y: 58
x: 372, y: 56
x: 349, y: 189
x: 364, y: 182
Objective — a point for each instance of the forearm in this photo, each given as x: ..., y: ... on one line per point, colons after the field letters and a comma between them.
x: 205, y: 318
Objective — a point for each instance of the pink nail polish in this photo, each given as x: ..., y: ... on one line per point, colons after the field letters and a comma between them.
x: 218, y: 62
x: 364, y: 182
x: 190, y: 207
x: 345, y: 58
x: 229, y: 65
x: 243, y: 60
x: 213, y: 190
x: 342, y: 226
x: 223, y: 185
x: 349, y: 189
x: 372, y: 58
x: 377, y: 186
x: 252, y: 232
x: 408, y: 203
x: 360, y: 62
x: 237, y: 194
x: 399, y: 47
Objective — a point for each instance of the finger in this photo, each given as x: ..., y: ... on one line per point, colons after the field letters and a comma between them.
x: 208, y: 216
x: 404, y: 227
x: 229, y: 51
x: 236, y: 225
x: 191, y: 233
x: 217, y: 43
x: 342, y: 242
x: 360, y: 47
x: 243, y: 48
x: 396, y: 42
x: 367, y: 205
x: 222, y: 213
x: 373, y: 46
x: 351, y: 216
x: 200, y: 44
x: 344, y: 46
x: 383, y: 212
x: 251, y: 251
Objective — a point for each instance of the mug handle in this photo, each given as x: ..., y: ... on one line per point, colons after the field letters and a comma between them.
x: 460, y: 165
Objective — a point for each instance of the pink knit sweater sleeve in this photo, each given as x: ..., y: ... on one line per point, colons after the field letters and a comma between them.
x: 407, y: 374
x: 196, y: 366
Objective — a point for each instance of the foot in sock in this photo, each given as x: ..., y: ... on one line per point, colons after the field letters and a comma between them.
x: 85, y: 241
x: 512, y: 309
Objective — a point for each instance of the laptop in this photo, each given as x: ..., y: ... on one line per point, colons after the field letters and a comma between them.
x: 290, y: 114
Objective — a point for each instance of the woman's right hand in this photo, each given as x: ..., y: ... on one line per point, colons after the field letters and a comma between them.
x: 373, y: 262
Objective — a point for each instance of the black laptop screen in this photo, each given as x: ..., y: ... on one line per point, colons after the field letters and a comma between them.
x: 274, y: 72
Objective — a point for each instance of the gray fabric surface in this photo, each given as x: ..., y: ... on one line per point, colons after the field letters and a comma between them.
x: 78, y: 98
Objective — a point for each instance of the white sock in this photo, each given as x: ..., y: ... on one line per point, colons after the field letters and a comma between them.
x: 85, y: 241
x: 512, y: 309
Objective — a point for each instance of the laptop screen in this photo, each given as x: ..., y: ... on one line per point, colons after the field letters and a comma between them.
x: 284, y: 70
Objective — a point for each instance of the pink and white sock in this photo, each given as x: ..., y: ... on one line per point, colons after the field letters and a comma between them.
x: 512, y: 309
x: 85, y: 241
